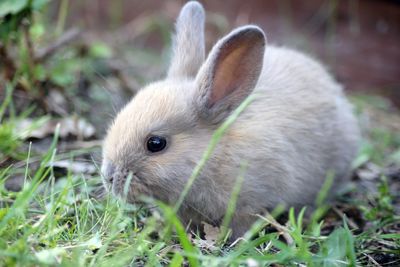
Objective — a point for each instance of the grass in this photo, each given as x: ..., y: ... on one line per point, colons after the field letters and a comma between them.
x: 61, y: 221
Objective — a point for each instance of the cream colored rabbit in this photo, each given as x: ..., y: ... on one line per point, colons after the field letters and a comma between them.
x: 299, y: 127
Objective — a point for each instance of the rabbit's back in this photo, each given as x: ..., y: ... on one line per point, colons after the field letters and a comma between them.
x: 300, y: 127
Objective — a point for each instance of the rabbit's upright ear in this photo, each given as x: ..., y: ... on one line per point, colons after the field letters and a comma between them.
x: 188, y: 43
x: 230, y: 73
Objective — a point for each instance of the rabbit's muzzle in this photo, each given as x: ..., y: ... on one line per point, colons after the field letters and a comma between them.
x: 107, y: 173
x: 113, y: 178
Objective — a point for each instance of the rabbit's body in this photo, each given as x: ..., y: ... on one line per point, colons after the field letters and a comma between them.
x: 299, y: 127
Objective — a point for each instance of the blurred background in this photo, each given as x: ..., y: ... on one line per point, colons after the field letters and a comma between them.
x: 358, y: 39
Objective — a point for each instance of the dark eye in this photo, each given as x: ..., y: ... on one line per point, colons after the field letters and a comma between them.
x: 156, y: 143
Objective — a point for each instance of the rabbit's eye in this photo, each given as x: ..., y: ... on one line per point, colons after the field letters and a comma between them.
x: 156, y: 143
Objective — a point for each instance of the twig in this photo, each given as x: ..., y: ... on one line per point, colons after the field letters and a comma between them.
x: 372, y: 260
x: 351, y: 223
x: 237, y: 241
x: 29, y: 47
x: 64, y: 39
x: 282, y: 229
x: 4, y: 160
x: 7, y: 62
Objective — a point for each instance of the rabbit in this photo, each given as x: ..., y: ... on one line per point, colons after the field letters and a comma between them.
x: 299, y: 127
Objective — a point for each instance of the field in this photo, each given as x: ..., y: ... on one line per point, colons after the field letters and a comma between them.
x: 59, y: 89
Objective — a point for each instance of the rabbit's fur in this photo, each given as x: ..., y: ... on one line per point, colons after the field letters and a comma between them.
x: 299, y: 127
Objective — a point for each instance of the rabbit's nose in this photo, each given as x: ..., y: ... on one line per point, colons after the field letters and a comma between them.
x: 108, y: 171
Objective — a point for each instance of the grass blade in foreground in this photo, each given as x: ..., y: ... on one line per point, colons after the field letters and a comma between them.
x: 213, y: 143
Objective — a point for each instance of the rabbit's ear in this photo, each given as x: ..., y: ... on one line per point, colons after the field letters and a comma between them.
x: 230, y: 73
x: 188, y: 43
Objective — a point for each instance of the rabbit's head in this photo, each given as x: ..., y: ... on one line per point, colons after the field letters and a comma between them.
x: 159, y: 137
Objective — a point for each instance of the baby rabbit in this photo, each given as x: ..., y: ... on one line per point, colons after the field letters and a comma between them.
x: 299, y: 127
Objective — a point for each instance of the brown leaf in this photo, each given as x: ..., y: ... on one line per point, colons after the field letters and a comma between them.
x: 75, y: 167
x: 211, y: 237
x: 211, y: 233
x: 69, y: 126
x: 57, y: 102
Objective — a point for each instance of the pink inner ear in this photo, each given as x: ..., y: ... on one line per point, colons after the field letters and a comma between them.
x: 229, y: 71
